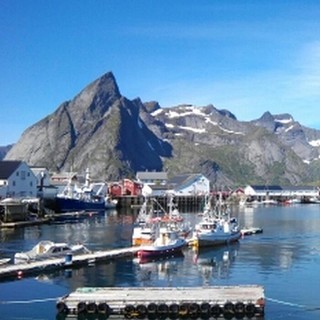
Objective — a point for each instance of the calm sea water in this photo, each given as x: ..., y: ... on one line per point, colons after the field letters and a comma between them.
x: 285, y: 259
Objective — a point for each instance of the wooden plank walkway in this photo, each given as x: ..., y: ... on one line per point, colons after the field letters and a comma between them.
x: 21, y: 269
x: 179, y: 302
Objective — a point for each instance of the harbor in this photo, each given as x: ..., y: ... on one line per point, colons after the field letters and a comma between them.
x: 275, y: 260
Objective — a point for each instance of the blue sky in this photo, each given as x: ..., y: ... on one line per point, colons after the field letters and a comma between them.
x: 245, y: 56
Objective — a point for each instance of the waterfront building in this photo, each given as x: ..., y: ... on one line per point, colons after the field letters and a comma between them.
x: 17, y: 180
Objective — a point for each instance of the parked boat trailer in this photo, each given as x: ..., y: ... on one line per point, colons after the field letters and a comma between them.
x: 241, y: 302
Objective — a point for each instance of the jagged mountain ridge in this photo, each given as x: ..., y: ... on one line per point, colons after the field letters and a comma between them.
x: 115, y: 137
x: 99, y: 129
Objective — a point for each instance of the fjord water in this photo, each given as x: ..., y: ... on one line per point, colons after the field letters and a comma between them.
x: 284, y: 259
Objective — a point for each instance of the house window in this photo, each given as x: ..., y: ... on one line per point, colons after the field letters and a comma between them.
x: 17, y: 174
x: 13, y: 183
x: 28, y: 174
x: 31, y: 184
x: 23, y: 175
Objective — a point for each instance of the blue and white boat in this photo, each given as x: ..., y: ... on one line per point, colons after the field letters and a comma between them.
x: 91, y: 196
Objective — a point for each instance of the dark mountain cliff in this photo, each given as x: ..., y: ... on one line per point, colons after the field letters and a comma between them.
x: 99, y: 129
x: 116, y: 137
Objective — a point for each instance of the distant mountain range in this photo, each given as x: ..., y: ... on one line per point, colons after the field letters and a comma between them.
x: 116, y: 137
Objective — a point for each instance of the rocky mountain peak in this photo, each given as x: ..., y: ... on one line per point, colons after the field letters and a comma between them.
x: 101, y: 129
x: 101, y: 92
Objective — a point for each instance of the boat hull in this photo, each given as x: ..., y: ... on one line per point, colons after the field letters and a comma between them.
x: 210, y: 240
x: 152, y: 252
x: 67, y: 205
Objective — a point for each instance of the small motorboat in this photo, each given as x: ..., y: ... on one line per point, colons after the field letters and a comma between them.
x: 48, y: 250
x: 248, y: 231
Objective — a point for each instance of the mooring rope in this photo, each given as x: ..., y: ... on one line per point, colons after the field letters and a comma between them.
x: 307, y: 308
x: 28, y: 301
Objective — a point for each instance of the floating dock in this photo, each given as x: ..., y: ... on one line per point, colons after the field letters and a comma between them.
x: 240, y: 302
x: 22, y: 269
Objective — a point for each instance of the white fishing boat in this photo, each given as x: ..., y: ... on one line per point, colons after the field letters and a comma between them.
x: 213, y: 232
x: 167, y: 243
x: 216, y: 228
x: 47, y: 250
x: 150, y: 219
x: 144, y: 228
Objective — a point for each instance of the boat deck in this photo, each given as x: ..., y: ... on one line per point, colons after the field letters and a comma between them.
x: 162, y: 302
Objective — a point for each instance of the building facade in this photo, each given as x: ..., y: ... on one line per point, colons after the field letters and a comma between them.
x: 17, y: 180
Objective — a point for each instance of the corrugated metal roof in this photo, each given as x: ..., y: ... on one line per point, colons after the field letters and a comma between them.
x: 7, y: 167
x: 266, y: 188
x: 184, y: 179
x: 151, y: 175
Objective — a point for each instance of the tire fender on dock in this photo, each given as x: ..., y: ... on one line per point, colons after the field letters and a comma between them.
x: 152, y: 308
x: 62, y: 308
x: 205, y: 308
x: 250, y: 309
x: 91, y: 308
x: 142, y: 310
x: 103, y: 308
x: 228, y: 308
x: 174, y: 309
x: 193, y: 309
x: 129, y: 311
x: 163, y: 309
x: 239, y: 308
x: 81, y: 307
x: 215, y: 310
x: 183, y: 309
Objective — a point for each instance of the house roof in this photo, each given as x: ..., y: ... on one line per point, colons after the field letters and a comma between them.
x: 7, y: 167
x: 299, y: 188
x: 151, y: 175
x: 37, y: 170
x: 185, y: 179
x: 266, y: 188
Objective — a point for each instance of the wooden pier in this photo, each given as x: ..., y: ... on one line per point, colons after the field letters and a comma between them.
x: 241, y: 302
x: 22, y: 269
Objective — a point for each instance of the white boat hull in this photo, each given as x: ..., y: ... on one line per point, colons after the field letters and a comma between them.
x: 154, y: 251
x: 212, y: 239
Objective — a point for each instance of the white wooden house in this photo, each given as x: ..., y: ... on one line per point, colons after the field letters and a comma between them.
x: 189, y: 185
x: 17, y: 180
x: 152, y: 178
x: 269, y: 191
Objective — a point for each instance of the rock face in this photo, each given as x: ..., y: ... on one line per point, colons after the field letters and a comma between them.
x: 99, y: 129
x: 4, y: 150
x: 116, y: 137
